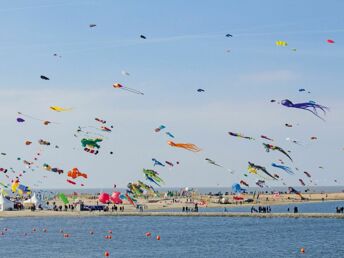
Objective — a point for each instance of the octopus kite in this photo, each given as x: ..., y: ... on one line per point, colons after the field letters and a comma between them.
x: 285, y: 168
x: 252, y: 168
x: 187, y: 146
x: 240, y: 136
x: 309, y: 106
x: 269, y: 147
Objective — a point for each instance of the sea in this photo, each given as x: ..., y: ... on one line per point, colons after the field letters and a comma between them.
x: 179, y: 236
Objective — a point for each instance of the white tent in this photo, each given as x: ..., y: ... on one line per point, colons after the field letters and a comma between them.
x: 5, y: 204
x: 33, y: 200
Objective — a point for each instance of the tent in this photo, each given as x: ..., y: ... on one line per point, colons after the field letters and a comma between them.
x: 5, y: 204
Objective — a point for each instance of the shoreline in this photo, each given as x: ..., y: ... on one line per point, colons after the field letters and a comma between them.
x: 54, y: 214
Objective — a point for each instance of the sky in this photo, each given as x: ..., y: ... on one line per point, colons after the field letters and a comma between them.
x: 185, y: 49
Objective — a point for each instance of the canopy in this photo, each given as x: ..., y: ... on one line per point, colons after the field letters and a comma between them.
x: 5, y: 204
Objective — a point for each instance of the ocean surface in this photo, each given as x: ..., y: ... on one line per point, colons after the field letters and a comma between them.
x: 311, y: 207
x: 180, y: 237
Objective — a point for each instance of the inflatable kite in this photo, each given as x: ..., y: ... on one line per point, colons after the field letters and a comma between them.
x: 153, y: 176
x: 169, y: 134
x: 281, y: 43
x: 309, y: 106
x: 74, y: 173
x: 60, y: 109
x: 266, y: 138
x: 158, y: 129
x: 269, y: 147
x: 253, y: 169
x: 187, y: 146
x: 240, y: 136
x: 285, y: 168
x: 157, y: 163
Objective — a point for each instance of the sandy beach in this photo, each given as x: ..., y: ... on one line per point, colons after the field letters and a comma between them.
x: 158, y: 206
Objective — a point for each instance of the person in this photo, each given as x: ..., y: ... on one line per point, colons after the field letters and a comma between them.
x: 296, y: 210
x: 183, y: 209
x: 196, y: 207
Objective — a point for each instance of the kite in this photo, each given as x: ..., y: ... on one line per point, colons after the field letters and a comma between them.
x: 275, y: 175
x: 288, y: 125
x: 71, y: 182
x: 293, y: 141
x: 45, y: 122
x: 157, y: 163
x: 125, y: 73
x: 27, y: 142
x: 240, y: 136
x: 309, y: 106
x: 187, y: 146
x: 63, y: 198
x: 213, y: 162
x: 91, y: 143
x: 169, y: 134
x: 307, y: 174
x: 244, y: 183
x: 302, y: 183
x: 200, y: 90
x: 253, y: 169
x: 130, y: 200
x: 106, y: 129
x: 281, y: 43
x: 169, y: 163
x: 44, y: 78
x: 100, y: 120
x: 92, y: 25
x: 142, y: 36
x: 153, y: 176
x: 261, y: 183
x: 266, y: 138
x: 20, y: 120
x: 159, y: 128
x: 314, y: 138
x: 55, y: 170
x: 43, y: 142
x: 269, y: 147
x: 120, y: 86
x: 229, y: 35
x: 330, y: 41
x: 236, y: 188
x: 60, y: 109
x: 74, y: 173
x: 292, y: 190
x: 285, y: 168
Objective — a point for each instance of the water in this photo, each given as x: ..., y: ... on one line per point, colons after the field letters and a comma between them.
x: 180, y: 237
x: 315, y: 207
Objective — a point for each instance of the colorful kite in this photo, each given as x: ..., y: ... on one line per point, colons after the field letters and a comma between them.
x: 253, y: 169
x: 285, y: 168
x: 269, y: 147
x: 60, y: 109
x: 120, y: 86
x: 240, y: 136
x: 187, y: 146
x: 309, y: 106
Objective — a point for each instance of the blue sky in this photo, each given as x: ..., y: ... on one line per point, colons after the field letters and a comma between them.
x: 185, y: 50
